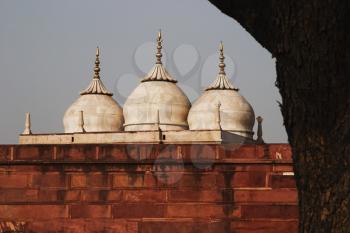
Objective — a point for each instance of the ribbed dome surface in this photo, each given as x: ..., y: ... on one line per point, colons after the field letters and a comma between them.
x: 95, y: 107
x: 140, y: 109
x: 236, y: 114
x: 101, y: 113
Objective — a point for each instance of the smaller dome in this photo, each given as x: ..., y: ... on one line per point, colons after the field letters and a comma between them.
x: 221, y: 107
x: 95, y: 110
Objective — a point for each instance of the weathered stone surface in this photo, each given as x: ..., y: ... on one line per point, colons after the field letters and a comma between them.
x: 147, y: 188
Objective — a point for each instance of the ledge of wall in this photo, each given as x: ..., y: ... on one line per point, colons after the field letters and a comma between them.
x: 139, y: 153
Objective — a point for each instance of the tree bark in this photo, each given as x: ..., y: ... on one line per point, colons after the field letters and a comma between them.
x: 311, y: 42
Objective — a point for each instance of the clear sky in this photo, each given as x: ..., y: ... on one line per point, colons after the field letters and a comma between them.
x: 47, y: 52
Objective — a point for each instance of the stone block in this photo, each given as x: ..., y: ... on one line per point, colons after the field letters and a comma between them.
x: 264, y: 226
x: 282, y: 181
x: 90, y: 211
x: 13, y: 180
x: 76, y: 152
x: 77, y: 181
x: 195, y: 195
x: 191, y: 210
x: 18, y: 195
x: 176, y: 226
x: 265, y: 196
x: 139, y: 210
x: 33, y: 212
x: 49, y: 179
x: 37, y: 152
x: 145, y: 195
x: 278, y: 211
x: 249, y: 179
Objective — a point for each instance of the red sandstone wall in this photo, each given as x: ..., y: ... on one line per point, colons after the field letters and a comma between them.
x: 147, y: 188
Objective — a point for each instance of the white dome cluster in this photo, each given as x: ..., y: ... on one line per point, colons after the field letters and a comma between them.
x: 158, y: 103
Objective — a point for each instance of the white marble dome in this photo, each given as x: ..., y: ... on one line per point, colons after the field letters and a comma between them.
x: 101, y: 113
x: 156, y: 102
x: 222, y: 107
x: 236, y: 114
x: 95, y: 110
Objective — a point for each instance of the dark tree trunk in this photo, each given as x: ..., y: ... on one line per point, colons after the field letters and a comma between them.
x: 311, y: 41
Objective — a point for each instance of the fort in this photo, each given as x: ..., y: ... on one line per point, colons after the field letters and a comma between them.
x: 159, y: 164
x: 148, y: 188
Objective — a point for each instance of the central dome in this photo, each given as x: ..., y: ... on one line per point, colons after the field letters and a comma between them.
x: 157, y: 100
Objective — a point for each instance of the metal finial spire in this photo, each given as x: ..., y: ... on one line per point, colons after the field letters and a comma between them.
x: 96, y: 86
x: 259, y: 138
x: 158, y: 72
x: 221, y: 82
x: 159, y: 47
x: 222, y: 58
x: 27, y: 129
x: 97, y: 64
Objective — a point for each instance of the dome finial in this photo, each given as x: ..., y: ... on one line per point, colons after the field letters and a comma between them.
x: 97, y: 64
x: 158, y: 72
x: 221, y: 82
x: 159, y: 47
x: 97, y: 51
x: 96, y: 86
x: 222, y: 58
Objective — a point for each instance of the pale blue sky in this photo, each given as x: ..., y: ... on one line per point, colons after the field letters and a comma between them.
x: 47, y: 53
